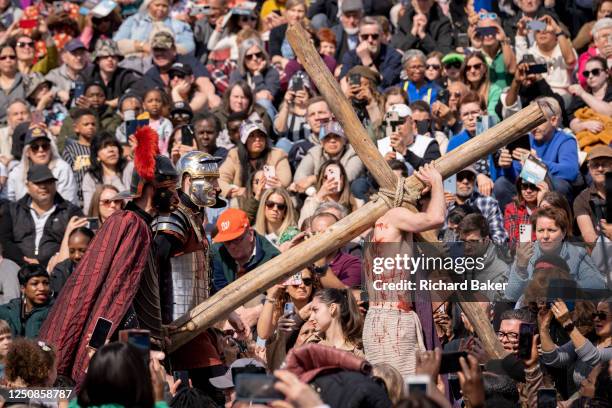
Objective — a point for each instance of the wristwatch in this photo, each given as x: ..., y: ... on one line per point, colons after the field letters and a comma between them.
x: 319, y: 270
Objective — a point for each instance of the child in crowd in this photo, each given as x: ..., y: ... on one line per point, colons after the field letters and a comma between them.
x: 76, y: 153
x: 156, y: 103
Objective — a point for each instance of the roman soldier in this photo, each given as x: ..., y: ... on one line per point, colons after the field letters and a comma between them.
x: 118, y: 277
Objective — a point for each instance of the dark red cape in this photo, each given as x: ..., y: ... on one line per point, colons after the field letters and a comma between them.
x: 103, y: 284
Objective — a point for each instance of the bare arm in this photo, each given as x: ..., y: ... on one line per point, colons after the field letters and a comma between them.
x: 567, y: 51
x: 586, y: 228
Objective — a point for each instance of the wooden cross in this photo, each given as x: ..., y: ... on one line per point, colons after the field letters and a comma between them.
x: 257, y: 281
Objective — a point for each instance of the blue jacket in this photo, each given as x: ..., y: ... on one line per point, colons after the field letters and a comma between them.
x: 462, y: 137
x: 581, y: 266
x: 225, y: 267
x: 428, y: 92
x: 388, y: 63
x: 560, y: 154
x: 140, y: 26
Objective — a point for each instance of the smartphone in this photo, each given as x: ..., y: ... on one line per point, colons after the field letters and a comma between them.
x: 463, y: 40
x: 486, y: 31
x: 269, y: 172
x: 354, y: 79
x: 364, y: 297
x: 443, y: 96
x: 547, y: 398
x: 522, y: 142
x: 392, y: 122
x: 289, y: 309
x: 536, y: 25
x: 79, y: 89
x: 609, y: 194
x: 297, y: 83
x: 450, y: 361
x: 418, y: 384
x: 37, y: 117
x: 100, y: 333
x: 525, y: 232
x: 537, y: 69
x: 93, y: 223
x: 526, y: 332
x: 332, y: 172
x: 28, y: 23
x: 450, y: 184
x: 187, y: 135
x: 257, y: 388
x: 58, y: 7
x: 141, y: 339
x: 182, y: 375
x: 566, y: 289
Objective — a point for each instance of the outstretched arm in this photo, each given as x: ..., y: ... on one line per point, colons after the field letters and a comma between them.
x: 433, y: 217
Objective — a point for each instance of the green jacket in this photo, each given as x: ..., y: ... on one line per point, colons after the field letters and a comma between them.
x: 11, y: 313
x: 225, y: 267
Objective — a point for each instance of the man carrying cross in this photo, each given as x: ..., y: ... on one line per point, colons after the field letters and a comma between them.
x: 392, y: 331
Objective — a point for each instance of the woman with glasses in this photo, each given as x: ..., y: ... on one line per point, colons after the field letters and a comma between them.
x: 433, y: 66
x: 103, y: 203
x: 597, y: 96
x: 39, y: 149
x: 519, y: 211
x: 417, y: 86
x: 27, y: 62
x: 476, y: 76
x: 108, y: 166
x: 275, y: 214
x: 254, y: 68
x: 551, y: 226
x: 579, y: 352
x: 12, y: 84
x: 497, y: 48
x: 279, y: 325
x: 226, y: 36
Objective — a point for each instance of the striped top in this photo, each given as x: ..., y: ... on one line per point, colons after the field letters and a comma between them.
x: 77, y: 156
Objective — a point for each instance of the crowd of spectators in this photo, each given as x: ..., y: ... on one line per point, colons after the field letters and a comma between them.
x: 220, y: 76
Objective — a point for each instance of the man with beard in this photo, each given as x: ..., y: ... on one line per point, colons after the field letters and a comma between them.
x: 473, y: 201
x: 184, y: 254
x: 372, y: 53
x: 117, y: 278
x: 346, y: 32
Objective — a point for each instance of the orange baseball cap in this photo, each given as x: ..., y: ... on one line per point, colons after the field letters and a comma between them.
x: 231, y: 224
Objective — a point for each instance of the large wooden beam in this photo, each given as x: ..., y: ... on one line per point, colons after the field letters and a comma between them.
x: 217, y: 307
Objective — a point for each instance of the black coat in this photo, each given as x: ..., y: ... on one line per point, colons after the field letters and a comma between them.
x: 439, y: 33
x: 350, y: 389
x: 121, y: 81
x: 18, y: 232
x: 330, y: 9
x: 277, y: 35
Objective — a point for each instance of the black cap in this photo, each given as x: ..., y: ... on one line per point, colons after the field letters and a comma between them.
x: 39, y: 173
x: 181, y: 68
x: 35, y: 133
x: 181, y: 107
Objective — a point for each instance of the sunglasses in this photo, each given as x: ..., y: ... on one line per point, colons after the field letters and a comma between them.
x: 5, y: 57
x: 466, y: 176
x: 433, y: 66
x: 258, y: 55
x: 178, y: 75
x: 248, y: 18
x: 271, y: 204
x: 475, y: 67
x: 365, y: 37
x: 24, y: 44
x: 35, y: 147
x: 454, y: 64
x: 529, y: 186
x: 600, y: 315
x: 107, y: 203
x: 455, y: 94
x: 595, y: 72
x: 306, y: 282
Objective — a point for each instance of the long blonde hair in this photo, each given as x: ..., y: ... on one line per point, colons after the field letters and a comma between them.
x: 26, y: 162
x: 290, y: 219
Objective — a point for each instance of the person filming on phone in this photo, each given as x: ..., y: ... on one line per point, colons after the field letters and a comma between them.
x: 414, y: 149
x: 551, y: 146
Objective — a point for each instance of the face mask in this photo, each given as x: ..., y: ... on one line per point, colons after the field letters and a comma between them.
x: 422, y: 126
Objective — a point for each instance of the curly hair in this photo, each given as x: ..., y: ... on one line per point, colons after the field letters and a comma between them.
x: 29, y: 361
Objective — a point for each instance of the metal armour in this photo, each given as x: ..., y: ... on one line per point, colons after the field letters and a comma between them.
x: 190, y: 267
x: 201, y: 167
